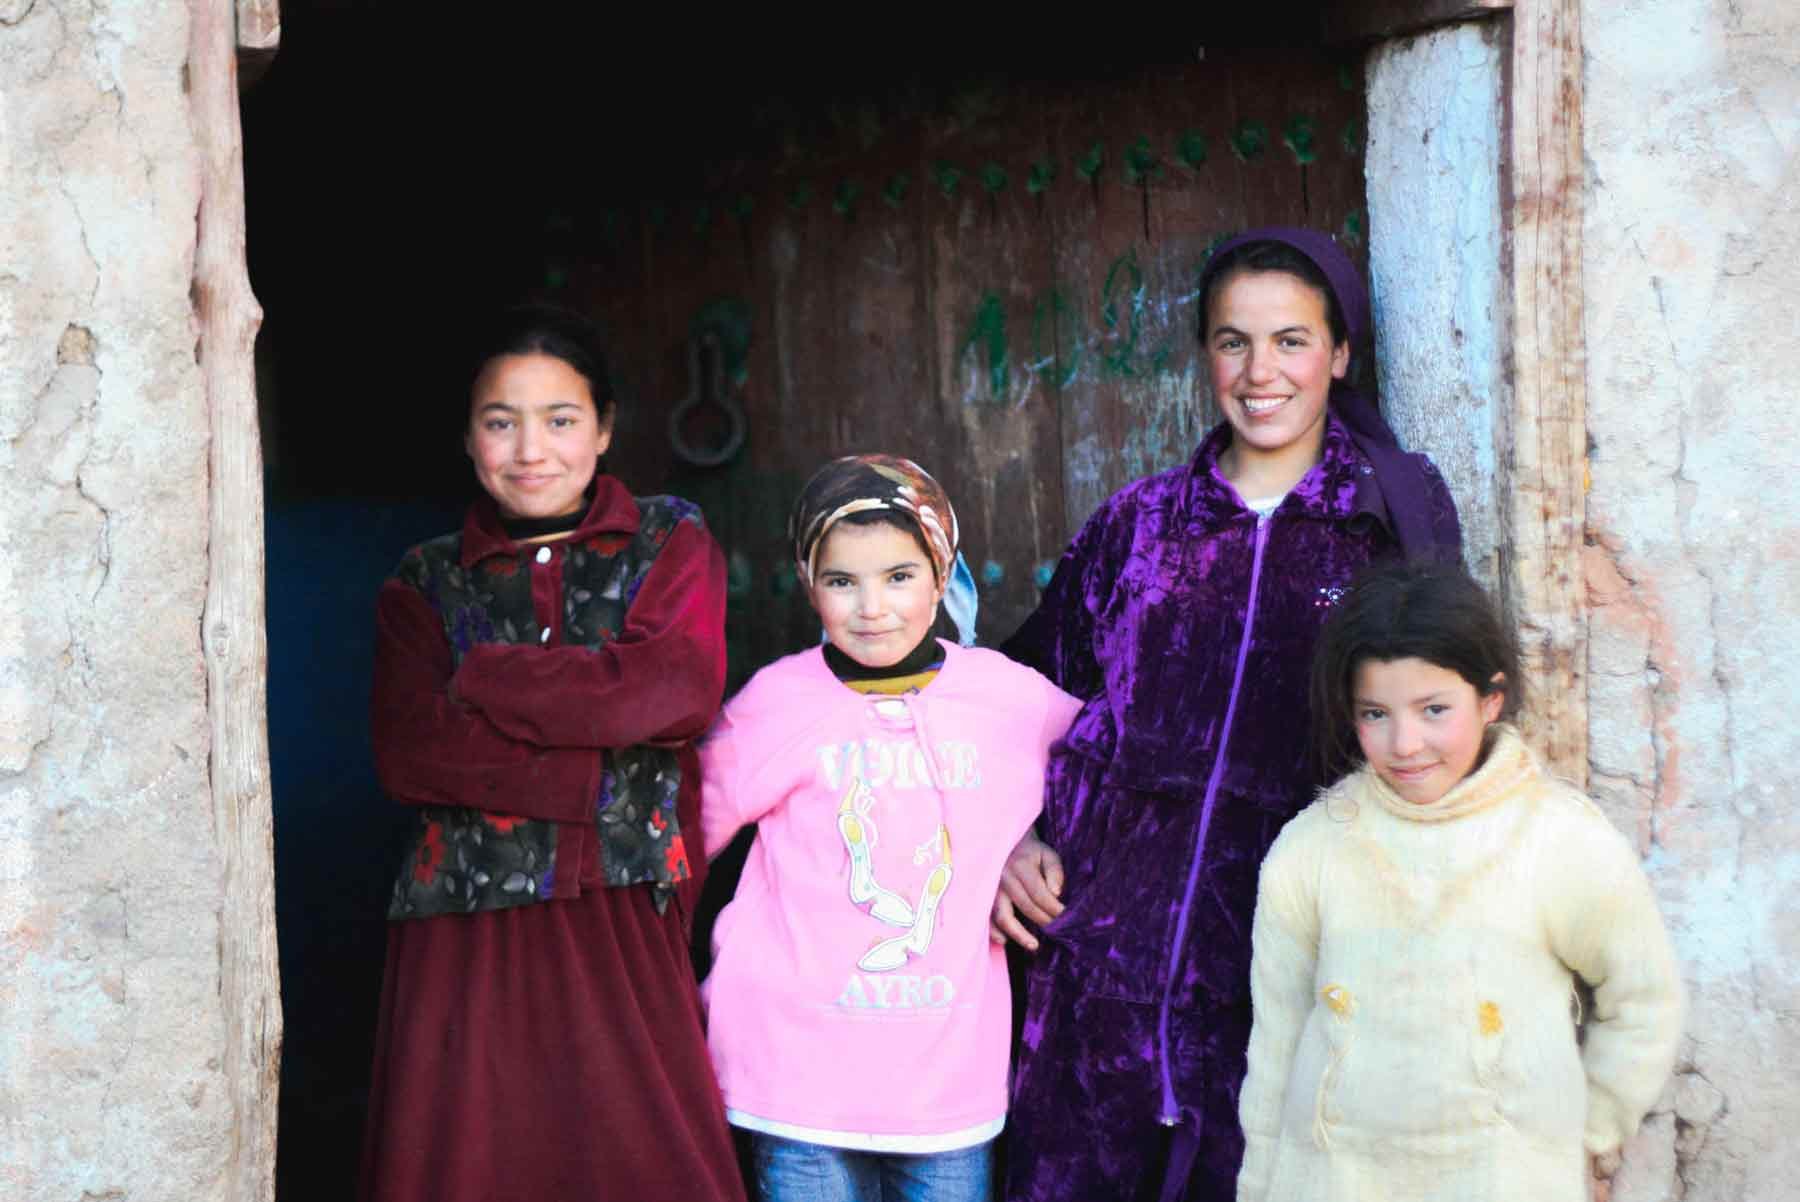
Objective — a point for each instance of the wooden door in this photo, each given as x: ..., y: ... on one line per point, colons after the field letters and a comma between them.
x: 996, y: 278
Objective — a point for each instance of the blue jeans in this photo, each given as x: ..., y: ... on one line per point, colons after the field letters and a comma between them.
x: 790, y: 1171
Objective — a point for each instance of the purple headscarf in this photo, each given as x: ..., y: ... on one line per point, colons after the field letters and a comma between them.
x: 1402, y: 477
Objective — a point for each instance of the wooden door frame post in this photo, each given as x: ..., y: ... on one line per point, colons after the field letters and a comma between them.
x: 1543, y: 460
x: 1542, y: 451
x: 258, y: 37
x: 233, y: 635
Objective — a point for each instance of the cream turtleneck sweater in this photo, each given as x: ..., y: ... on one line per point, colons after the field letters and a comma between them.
x: 1413, y: 981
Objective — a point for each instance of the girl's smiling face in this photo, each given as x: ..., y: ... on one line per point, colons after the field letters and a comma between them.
x: 534, y: 435
x: 1269, y: 345
x: 1421, y: 726
x: 874, y: 591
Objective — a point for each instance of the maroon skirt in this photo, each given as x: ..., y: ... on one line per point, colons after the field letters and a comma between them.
x: 550, y: 1053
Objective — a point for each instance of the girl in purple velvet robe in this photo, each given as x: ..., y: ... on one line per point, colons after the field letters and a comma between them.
x: 1184, y: 614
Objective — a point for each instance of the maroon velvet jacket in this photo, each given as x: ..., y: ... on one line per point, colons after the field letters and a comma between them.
x: 508, y: 717
x: 556, y: 1050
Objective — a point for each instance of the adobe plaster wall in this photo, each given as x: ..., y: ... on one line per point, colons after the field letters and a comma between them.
x: 1691, y: 115
x: 110, y: 1031
x: 1692, y: 129
x: 110, y: 1025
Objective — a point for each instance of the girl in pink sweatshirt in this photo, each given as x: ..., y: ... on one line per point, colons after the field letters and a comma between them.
x: 859, y: 1014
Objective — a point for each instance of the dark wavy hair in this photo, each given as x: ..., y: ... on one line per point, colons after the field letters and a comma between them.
x: 1433, y: 612
x: 538, y: 329
x: 1270, y: 255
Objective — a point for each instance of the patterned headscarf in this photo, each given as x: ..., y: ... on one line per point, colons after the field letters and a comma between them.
x: 859, y: 483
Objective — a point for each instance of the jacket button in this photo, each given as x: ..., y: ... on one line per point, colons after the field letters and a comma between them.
x: 1366, y: 470
x: 543, y: 555
x: 545, y: 636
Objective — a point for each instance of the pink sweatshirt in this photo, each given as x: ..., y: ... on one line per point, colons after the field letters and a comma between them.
x: 856, y: 999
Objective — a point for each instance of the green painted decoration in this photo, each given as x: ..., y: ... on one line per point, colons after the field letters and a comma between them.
x: 1040, y: 177
x: 843, y: 201
x: 1190, y: 149
x: 1352, y: 137
x: 1088, y: 165
x: 988, y: 333
x: 1249, y: 140
x: 1124, y: 282
x: 1297, y: 136
x: 948, y: 176
x: 1057, y: 340
x: 894, y: 191
x: 799, y: 195
x: 1141, y: 164
x: 993, y: 178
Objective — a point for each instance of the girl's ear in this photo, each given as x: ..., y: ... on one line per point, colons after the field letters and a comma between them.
x: 604, y: 423
x: 1340, y: 360
x: 1494, y: 700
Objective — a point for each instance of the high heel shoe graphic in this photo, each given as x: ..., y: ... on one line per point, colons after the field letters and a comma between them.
x: 883, y: 903
x: 890, y: 954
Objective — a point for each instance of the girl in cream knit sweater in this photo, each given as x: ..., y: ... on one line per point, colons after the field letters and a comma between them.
x: 1421, y: 927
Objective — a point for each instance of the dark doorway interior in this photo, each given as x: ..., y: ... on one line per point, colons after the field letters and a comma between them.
x: 977, y: 250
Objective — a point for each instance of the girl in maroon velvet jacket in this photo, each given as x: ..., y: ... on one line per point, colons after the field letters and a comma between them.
x: 1184, y: 616
x: 539, y: 678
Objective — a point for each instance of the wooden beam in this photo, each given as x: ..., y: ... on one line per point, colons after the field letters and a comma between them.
x: 1372, y: 20
x: 258, y: 38
x: 232, y: 634
x: 1543, y: 476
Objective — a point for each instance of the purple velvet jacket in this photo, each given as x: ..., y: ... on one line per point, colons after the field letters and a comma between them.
x: 1188, y: 624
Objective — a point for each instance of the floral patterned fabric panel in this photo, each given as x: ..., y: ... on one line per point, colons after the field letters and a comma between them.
x: 464, y: 860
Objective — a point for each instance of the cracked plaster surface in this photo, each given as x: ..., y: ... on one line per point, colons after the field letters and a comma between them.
x: 109, y: 880
x: 1434, y: 183
x: 1692, y: 124
x: 1692, y: 127
x: 108, y: 960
